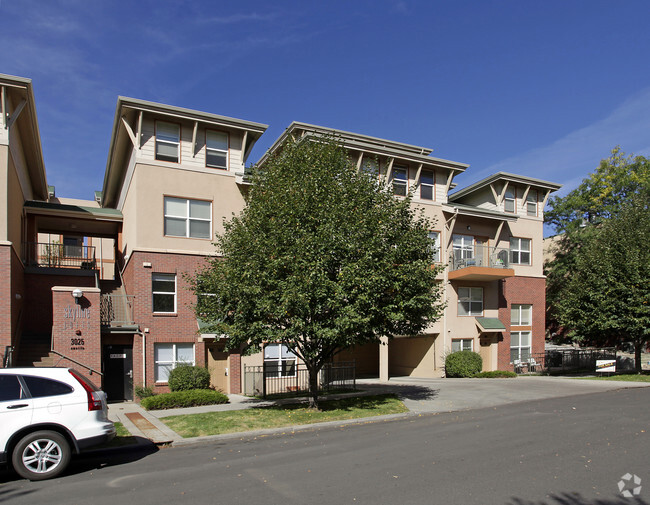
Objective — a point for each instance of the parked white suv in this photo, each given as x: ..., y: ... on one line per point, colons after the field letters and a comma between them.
x: 46, y: 414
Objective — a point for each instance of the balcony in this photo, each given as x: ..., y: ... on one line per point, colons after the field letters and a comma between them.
x: 116, y: 311
x: 480, y: 263
x: 55, y: 255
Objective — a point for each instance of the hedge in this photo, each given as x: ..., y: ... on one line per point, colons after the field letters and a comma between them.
x: 495, y: 374
x: 186, y: 377
x: 463, y: 364
x: 182, y: 399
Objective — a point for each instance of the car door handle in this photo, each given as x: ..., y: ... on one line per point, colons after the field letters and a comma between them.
x: 19, y: 406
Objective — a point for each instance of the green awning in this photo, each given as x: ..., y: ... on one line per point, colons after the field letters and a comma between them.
x: 490, y: 325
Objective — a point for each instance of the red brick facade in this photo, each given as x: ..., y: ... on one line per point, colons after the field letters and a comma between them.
x: 522, y: 290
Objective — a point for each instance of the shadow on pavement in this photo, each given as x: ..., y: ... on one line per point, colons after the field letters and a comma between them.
x: 577, y: 499
x: 406, y: 391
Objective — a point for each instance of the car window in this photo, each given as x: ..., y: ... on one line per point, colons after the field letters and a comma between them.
x: 39, y: 387
x: 10, y: 388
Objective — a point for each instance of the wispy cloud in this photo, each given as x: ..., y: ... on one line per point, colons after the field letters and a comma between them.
x: 238, y: 18
x: 570, y: 159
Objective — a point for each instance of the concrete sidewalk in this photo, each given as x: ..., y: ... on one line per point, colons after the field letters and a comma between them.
x: 420, y: 396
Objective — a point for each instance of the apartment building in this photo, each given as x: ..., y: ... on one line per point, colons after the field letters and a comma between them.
x: 103, y: 284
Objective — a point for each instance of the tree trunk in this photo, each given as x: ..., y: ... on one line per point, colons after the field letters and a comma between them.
x: 638, y: 347
x: 313, y: 387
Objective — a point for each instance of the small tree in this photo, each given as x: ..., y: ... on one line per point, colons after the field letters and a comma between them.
x: 322, y: 258
x: 606, y: 299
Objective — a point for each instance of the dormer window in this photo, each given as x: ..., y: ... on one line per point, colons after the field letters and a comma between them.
x: 509, y: 201
x: 426, y: 185
x: 168, y: 141
x: 216, y: 149
x: 531, y: 203
x: 399, y: 179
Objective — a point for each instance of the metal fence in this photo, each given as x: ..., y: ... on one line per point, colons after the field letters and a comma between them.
x: 55, y: 255
x: 267, y: 380
x: 116, y: 310
x: 564, y: 360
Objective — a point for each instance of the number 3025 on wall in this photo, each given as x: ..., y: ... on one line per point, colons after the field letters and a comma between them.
x: 77, y: 343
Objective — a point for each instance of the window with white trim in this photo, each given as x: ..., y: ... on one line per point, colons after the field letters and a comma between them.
x: 531, y: 203
x: 470, y: 301
x: 521, y: 315
x: 463, y: 246
x: 168, y: 141
x: 188, y: 218
x: 163, y: 293
x: 462, y: 344
x: 169, y: 356
x: 519, y: 251
x: 434, y: 236
x: 399, y: 179
x: 509, y: 200
x: 519, y: 346
x: 216, y: 149
x: 279, y: 361
x: 426, y: 185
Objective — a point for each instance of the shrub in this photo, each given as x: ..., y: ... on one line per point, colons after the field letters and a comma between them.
x: 463, y: 364
x: 186, y: 377
x: 143, y: 392
x: 182, y: 399
x: 495, y: 374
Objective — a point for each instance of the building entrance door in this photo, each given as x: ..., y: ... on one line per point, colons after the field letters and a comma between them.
x: 118, y: 372
x: 218, y: 366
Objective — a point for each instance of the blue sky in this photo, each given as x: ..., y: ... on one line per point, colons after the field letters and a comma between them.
x: 544, y: 89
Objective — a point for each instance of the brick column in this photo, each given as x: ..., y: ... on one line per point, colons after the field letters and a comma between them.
x: 235, y: 372
x: 76, y: 327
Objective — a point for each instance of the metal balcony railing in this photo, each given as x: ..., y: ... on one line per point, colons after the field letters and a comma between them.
x: 479, y: 256
x: 54, y: 255
x: 117, y: 310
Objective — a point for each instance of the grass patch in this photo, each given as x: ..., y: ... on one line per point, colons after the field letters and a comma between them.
x: 216, y: 423
x: 630, y: 377
x: 302, y: 394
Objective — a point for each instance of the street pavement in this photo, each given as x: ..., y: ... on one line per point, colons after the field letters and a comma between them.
x: 577, y: 449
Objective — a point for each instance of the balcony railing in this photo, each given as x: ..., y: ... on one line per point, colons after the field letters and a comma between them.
x: 117, y: 310
x: 53, y: 255
x: 479, y: 256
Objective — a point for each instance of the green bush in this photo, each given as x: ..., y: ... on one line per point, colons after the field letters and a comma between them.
x: 463, y: 364
x: 186, y: 377
x: 144, y: 392
x: 182, y: 399
x: 495, y: 374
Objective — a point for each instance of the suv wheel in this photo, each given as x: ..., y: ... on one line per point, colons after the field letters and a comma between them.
x: 41, y: 455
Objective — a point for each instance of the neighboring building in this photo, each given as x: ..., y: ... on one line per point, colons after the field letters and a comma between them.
x: 103, y: 283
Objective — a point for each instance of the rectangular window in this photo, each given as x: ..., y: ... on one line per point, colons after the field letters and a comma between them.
x: 470, y: 301
x: 399, y: 179
x: 188, y: 218
x: 520, y: 251
x: 531, y: 203
x: 519, y: 346
x: 462, y: 344
x: 509, y: 201
x: 434, y: 236
x: 216, y: 149
x: 163, y: 289
x: 463, y: 246
x: 169, y: 356
x: 521, y: 315
x: 370, y: 166
x: 168, y: 141
x: 279, y: 361
x: 426, y: 185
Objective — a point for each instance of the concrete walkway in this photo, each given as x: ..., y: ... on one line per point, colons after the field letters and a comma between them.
x: 420, y: 396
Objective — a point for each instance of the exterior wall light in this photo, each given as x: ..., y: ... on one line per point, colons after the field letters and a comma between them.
x: 77, y: 294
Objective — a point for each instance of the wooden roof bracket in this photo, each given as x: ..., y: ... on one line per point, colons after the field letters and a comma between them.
x: 127, y: 126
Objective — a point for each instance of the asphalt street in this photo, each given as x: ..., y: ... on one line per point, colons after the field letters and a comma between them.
x: 570, y: 450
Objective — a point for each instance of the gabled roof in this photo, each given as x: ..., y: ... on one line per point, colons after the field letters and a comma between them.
x: 113, y: 177
x: 364, y: 143
x: 20, y: 89
x: 504, y: 176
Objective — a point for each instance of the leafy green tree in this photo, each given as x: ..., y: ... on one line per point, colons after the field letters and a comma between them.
x: 606, y: 299
x: 575, y: 218
x: 323, y: 257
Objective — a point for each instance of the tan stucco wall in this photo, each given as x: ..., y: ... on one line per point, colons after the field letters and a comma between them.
x: 144, y: 206
x: 414, y: 356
